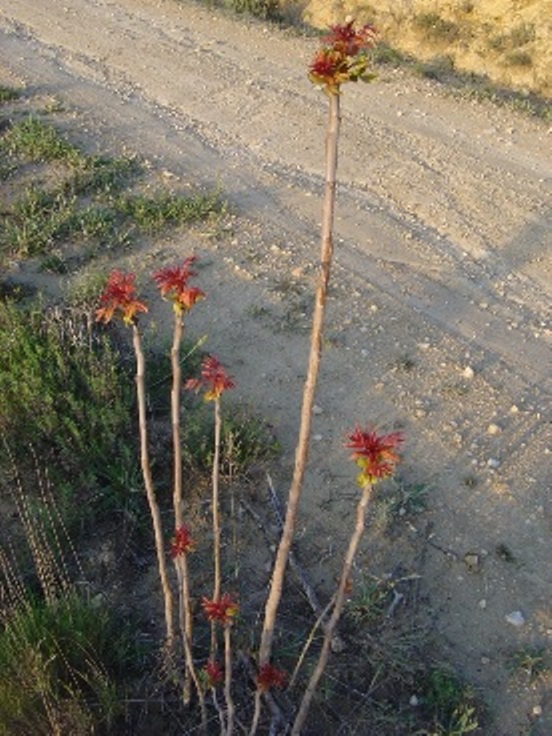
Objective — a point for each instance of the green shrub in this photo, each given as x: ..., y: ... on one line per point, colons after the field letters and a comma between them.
x: 61, y: 388
x: 59, y: 663
x: 34, y: 140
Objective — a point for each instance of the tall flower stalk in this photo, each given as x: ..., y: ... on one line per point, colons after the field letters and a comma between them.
x: 118, y: 300
x: 223, y: 610
x: 376, y: 457
x: 215, y: 380
x: 173, y: 285
x: 343, y: 57
x: 182, y: 544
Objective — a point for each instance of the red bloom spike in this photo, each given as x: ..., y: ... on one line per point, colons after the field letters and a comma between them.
x: 270, y: 677
x: 182, y: 542
x: 118, y: 297
x: 223, y: 610
x: 173, y: 285
x: 213, y: 378
x: 343, y: 57
x: 374, y: 454
x: 350, y: 41
x: 213, y: 673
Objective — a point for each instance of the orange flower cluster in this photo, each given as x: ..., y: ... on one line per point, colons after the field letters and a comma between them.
x: 213, y: 378
x: 343, y: 57
x: 173, y: 285
x: 374, y: 454
x: 119, y: 297
x: 222, y: 610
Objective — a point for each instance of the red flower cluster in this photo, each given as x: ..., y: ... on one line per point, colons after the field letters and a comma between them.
x: 350, y: 41
x: 182, y: 542
x: 213, y: 378
x: 224, y: 610
x: 343, y: 57
x: 173, y: 284
x: 118, y: 297
x: 374, y: 454
x: 270, y: 677
x: 212, y: 673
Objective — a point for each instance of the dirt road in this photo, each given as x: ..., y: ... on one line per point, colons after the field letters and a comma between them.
x: 438, y: 320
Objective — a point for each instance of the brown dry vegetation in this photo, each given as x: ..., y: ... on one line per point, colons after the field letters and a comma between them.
x: 507, y: 40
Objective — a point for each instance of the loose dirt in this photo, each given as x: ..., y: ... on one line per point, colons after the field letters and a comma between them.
x: 438, y: 316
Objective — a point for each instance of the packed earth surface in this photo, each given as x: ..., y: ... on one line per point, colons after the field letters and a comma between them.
x: 437, y: 318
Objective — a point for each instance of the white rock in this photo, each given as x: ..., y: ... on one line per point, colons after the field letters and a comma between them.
x: 468, y: 372
x: 483, y: 604
x: 515, y: 618
x: 493, y: 463
x: 493, y: 429
x: 317, y: 409
x: 537, y: 710
x: 414, y: 701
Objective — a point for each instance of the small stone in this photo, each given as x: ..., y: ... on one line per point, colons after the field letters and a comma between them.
x: 317, y: 437
x: 473, y: 561
x: 493, y: 429
x: 493, y: 463
x: 414, y: 701
x: 537, y: 711
x: 468, y: 372
x: 483, y: 604
x: 485, y: 660
x: 514, y: 409
x: 317, y: 409
x: 515, y: 618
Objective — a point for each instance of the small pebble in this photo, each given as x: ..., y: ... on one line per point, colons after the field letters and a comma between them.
x: 485, y: 660
x: 468, y: 372
x: 317, y: 409
x: 473, y: 561
x: 414, y: 701
x: 493, y: 429
x: 515, y: 618
x: 492, y: 462
x: 537, y: 710
x: 483, y: 604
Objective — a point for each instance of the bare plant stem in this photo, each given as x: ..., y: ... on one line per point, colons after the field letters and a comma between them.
x: 230, y: 709
x: 148, y: 482
x: 336, y: 613
x: 216, y: 510
x: 216, y: 520
x: 186, y: 633
x: 175, y: 414
x: 256, y: 713
x: 319, y: 621
x: 220, y: 711
x: 301, y: 453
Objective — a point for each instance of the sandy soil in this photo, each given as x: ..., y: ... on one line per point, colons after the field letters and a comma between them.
x: 438, y: 317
